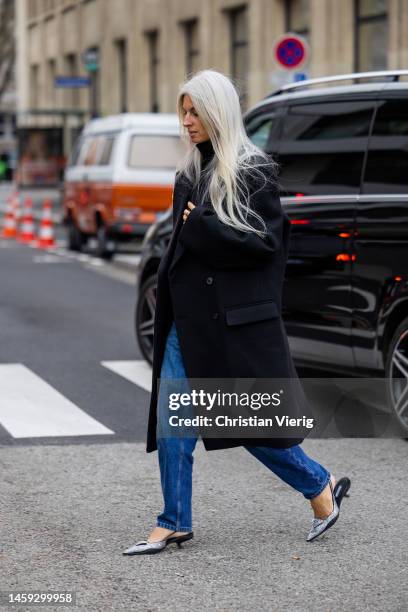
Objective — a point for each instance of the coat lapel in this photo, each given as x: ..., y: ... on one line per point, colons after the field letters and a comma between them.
x: 182, y: 191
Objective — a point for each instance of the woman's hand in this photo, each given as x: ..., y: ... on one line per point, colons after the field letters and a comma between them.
x: 187, y: 211
x: 225, y: 247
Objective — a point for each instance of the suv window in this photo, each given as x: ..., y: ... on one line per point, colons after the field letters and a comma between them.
x: 323, y: 146
x: 153, y: 151
x: 387, y: 161
x: 259, y: 129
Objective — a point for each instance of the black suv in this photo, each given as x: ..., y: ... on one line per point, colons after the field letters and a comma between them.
x: 343, y: 152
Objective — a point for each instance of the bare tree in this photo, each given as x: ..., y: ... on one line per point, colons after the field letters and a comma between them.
x: 7, y: 44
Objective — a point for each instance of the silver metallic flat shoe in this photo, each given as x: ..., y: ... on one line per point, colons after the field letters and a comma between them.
x: 151, y: 548
x: 319, y: 526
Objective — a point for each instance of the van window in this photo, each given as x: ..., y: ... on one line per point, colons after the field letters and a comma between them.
x: 95, y: 150
x: 387, y: 162
x: 106, y: 152
x: 88, y: 153
x: 322, y: 148
x: 74, y: 155
x: 153, y: 151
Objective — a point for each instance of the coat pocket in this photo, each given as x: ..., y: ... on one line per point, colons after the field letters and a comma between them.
x: 251, y: 313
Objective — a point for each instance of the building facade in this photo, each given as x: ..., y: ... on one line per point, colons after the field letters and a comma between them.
x: 8, y: 95
x: 145, y: 48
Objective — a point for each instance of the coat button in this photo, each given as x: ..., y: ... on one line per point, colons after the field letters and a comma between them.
x: 215, y: 315
x: 209, y: 280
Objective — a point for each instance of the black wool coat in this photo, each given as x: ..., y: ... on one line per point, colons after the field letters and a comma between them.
x: 223, y: 287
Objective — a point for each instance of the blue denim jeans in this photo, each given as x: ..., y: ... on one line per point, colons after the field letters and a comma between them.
x: 175, y: 454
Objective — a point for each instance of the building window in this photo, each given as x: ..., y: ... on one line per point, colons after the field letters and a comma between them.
x: 153, y: 50
x: 51, y: 84
x: 34, y: 85
x: 72, y: 94
x: 371, y: 35
x: 297, y: 17
x: 191, y: 31
x: 121, y: 46
x: 239, y: 51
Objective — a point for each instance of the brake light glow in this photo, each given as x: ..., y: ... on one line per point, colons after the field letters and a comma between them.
x: 345, y: 257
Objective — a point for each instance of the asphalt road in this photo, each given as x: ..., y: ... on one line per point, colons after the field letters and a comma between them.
x: 68, y: 512
x: 63, y: 317
x: 77, y: 488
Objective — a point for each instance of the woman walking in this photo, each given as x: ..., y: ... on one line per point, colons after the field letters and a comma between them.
x: 219, y: 301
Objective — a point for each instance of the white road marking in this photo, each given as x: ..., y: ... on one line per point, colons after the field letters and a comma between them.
x: 82, y: 257
x: 138, y: 372
x: 49, y: 258
x: 31, y: 408
x: 130, y: 260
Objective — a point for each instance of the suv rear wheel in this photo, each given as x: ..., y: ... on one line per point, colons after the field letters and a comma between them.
x: 144, y: 317
x: 397, y: 373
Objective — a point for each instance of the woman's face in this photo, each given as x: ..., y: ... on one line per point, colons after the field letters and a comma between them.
x: 191, y: 121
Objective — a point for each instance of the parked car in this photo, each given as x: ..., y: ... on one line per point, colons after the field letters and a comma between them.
x: 119, y: 178
x: 343, y: 152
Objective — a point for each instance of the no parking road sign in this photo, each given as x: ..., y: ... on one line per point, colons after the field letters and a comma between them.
x: 291, y: 51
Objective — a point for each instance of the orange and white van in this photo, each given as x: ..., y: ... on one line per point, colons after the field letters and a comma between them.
x: 119, y: 179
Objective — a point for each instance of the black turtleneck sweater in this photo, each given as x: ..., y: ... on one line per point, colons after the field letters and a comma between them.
x: 207, y: 152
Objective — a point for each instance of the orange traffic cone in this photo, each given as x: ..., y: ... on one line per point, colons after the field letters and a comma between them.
x: 26, y: 234
x: 10, y: 224
x: 16, y: 205
x: 46, y: 234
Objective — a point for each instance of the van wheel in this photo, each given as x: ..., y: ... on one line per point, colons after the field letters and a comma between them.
x: 397, y: 373
x: 144, y: 317
x: 76, y: 239
x: 105, y: 247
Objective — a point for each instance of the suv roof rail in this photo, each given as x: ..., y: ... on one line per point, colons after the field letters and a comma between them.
x: 386, y: 75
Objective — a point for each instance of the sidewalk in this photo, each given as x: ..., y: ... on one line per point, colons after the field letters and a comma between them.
x: 71, y: 510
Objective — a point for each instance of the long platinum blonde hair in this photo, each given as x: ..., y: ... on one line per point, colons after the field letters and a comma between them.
x: 237, y: 161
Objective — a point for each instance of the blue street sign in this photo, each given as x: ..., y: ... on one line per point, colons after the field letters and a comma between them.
x: 301, y: 76
x: 72, y: 81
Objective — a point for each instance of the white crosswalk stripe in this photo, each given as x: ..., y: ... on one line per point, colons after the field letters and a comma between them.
x: 30, y: 407
x: 138, y: 372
